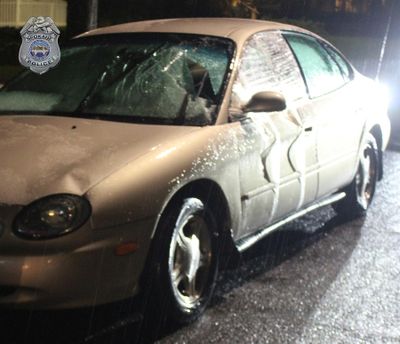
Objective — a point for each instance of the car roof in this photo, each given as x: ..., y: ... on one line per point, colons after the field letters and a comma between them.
x: 233, y: 28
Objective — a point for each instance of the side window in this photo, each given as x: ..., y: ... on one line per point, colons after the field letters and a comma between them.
x: 267, y: 64
x: 321, y: 72
x: 342, y: 63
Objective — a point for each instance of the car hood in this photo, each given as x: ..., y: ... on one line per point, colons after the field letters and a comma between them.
x: 42, y: 155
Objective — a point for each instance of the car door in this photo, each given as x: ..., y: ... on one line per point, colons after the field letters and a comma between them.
x: 278, y: 160
x: 333, y: 106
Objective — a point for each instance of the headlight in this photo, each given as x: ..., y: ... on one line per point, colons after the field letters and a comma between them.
x: 52, y: 216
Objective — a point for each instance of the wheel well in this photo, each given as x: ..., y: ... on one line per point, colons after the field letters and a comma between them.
x: 377, y: 133
x: 211, y: 194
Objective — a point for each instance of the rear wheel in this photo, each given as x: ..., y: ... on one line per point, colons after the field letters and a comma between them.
x: 360, y: 192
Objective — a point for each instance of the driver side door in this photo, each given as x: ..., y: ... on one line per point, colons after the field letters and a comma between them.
x: 277, y: 150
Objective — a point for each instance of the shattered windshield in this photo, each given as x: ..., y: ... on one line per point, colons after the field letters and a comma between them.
x: 163, y: 78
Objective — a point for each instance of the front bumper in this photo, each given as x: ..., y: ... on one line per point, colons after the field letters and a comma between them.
x: 78, y: 270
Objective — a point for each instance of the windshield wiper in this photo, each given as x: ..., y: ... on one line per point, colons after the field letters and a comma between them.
x: 123, y: 118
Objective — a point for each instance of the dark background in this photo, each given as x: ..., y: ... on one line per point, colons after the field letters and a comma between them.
x: 357, y: 27
x: 366, y: 31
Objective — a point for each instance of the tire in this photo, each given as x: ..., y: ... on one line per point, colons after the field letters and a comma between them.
x: 186, y: 261
x: 360, y: 192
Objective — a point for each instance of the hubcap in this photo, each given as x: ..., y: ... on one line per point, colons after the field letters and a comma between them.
x: 190, y: 260
x: 366, y: 176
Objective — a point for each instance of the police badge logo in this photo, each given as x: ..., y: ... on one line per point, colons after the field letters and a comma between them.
x: 39, y: 49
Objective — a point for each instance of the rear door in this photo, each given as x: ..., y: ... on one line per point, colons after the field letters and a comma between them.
x: 337, y: 120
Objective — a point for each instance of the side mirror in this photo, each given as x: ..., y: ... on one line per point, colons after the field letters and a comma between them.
x: 266, y: 102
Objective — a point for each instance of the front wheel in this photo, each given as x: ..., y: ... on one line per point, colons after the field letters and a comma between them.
x: 187, y: 260
x: 360, y: 192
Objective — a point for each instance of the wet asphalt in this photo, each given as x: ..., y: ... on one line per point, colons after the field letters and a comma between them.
x: 321, y: 279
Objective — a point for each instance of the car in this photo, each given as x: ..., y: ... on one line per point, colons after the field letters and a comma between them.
x: 157, y: 149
